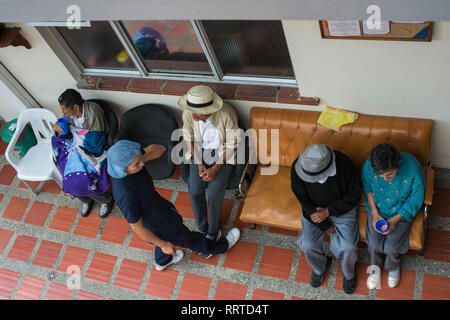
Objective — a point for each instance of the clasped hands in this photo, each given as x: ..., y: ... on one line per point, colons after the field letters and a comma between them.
x: 320, y: 215
x: 207, y: 174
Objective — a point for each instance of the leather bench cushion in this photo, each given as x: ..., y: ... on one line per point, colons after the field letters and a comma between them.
x: 270, y: 201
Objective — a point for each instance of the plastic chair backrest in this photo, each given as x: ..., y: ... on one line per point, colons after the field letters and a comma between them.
x: 41, y: 121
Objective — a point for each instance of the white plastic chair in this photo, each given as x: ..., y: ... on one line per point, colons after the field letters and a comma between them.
x: 37, y: 164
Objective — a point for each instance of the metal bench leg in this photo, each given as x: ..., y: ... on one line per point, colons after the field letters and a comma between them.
x: 253, y: 226
x: 30, y: 188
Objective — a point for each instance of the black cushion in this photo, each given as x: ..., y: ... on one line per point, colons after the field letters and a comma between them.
x: 151, y: 124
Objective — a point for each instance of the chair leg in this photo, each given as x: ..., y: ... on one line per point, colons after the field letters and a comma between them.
x: 30, y: 188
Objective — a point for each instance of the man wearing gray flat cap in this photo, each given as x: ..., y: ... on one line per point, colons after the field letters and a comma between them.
x: 328, y: 187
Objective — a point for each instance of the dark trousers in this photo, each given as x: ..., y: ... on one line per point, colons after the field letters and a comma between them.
x: 215, y: 190
x: 99, y: 198
x: 193, y: 240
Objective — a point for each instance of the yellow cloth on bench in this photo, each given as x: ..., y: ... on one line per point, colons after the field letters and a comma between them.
x: 335, y: 118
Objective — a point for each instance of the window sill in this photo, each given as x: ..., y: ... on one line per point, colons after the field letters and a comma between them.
x: 179, y: 88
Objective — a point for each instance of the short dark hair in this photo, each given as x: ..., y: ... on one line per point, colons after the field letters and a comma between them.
x: 384, y: 157
x: 70, y: 97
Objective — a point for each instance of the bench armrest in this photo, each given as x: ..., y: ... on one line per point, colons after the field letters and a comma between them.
x: 429, y: 186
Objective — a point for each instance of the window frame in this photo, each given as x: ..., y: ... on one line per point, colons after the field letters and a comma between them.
x: 62, y: 49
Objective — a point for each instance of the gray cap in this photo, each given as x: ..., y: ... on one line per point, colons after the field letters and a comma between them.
x: 316, y: 163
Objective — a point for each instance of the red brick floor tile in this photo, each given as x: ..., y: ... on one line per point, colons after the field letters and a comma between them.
x: 38, y: 213
x: 404, y: 290
x: 130, y: 274
x: 7, y: 174
x: 238, y: 223
x: 194, y: 287
x: 211, y: 261
x: 276, y: 262
x: 30, y: 288
x: 165, y: 193
x: 183, y: 205
x: 16, y: 208
x: 138, y: 243
x: 8, y: 280
x: 303, y: 273
x: 435, y: 287
x: 63, y: 219
x: 161, y: 284
x: 176, y: 173
x: 22, y: 248
x: 47, y: 254
x: 58, y: 291
x: 3, y: 146
x: 51, y: 186
x: 441, y: 203
x: 5, y: 236
x: 101, y: 267
x: 1, y: 196
x: 225, y: 213
x: 73, y: 256
x: 284, y: 232
x: 116, y: 230
x: 361, y: 274
x: 88, y: 226
x: 298, y: 298
x: 229, y: 291
x: 437, y: 245
x: 260, y: 294
x: 34, y: 184
x: 83, y: 295
x: 241, y: 256
x: 179, y: 30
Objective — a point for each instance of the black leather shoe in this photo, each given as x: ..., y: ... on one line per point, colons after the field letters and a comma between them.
x: 349, y: 285
x: 317, y: 280
x: 87, y: 208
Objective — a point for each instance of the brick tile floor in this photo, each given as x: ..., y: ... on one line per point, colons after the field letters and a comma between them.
x: 47, y: 233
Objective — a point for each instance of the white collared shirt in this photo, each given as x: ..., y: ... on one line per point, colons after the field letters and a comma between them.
x: 78, y: 122
x: 211, y: 137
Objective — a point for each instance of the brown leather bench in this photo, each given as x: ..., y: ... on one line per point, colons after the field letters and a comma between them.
x: 270, y: 200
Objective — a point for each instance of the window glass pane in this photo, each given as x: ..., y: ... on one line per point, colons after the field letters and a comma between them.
x: 168, y: 46
x: 97, y: 46
x: 250, y: 48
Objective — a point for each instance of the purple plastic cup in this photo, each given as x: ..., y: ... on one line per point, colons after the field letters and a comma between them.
x: 382, y: 226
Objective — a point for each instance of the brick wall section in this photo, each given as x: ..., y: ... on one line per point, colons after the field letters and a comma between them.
x: 178, y: 88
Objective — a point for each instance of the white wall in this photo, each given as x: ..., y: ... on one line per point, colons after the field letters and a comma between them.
x: 9, y: 103
x: 397, y: 78
x: 375, y: 77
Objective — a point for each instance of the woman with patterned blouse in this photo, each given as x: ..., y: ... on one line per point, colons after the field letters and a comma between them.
x: 393, y: 184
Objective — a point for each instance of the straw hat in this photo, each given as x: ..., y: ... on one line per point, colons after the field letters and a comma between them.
x: 201, y: 100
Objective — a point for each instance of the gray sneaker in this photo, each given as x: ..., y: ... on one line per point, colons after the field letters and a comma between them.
x: 87, y: 208
x: 105, y: 209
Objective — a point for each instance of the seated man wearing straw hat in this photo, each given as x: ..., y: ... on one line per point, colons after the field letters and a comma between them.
x: 328, y: 187
x: 210, y: 128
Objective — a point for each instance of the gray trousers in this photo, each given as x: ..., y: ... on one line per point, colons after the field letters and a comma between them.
x: 215, y: 191
x: 100, y: 198
x: 343, y: 243
x: 387, y: 247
